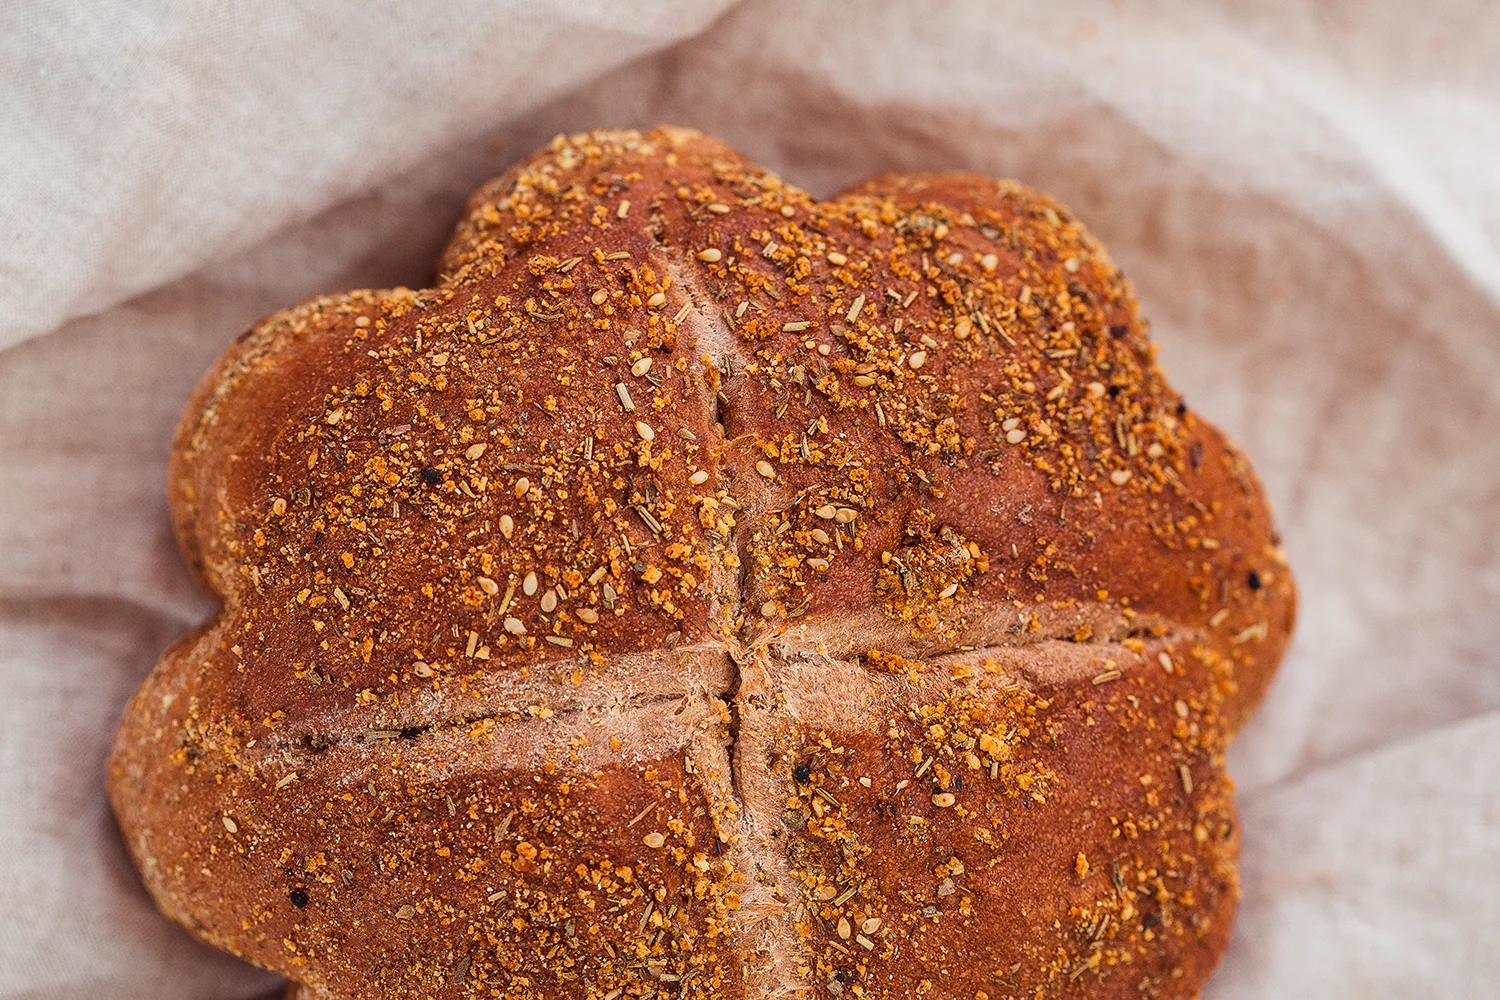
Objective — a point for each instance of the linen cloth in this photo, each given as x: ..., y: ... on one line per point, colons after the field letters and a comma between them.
x: 1305, y: 195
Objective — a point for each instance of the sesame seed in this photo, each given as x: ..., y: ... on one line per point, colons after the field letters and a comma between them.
x: 623, y: 210
x: 230, y: 825
x: 624, y: 394
x: 1165, y: 661
x: 599, y: 297
x: 1120, y: 477
x: 943, y: 800
x: 644, y: 430
x: 549, y: 602
x: 1015, y: 436
x: 719, y: 208
x: 698, y: 478
x: 765, y: 469
x: 864, y: 381
x: 820, y: 536
x: 1180, y: 707
x: 529, y: 584
x: 507, y: 525
x: 948, y: 591
x: 362, y: 322
x: 653, y: 840
x: 1071, y: 265
x: 659, y: 299
x: 827, y: 512
x: 641, y: 367
x: 918, y: 359
x: 588, y: 615
x: 278, y: 506
x: 488, y: 586
x: 514, y: 626
x: 989, y: 262
x: 846, y: 515
x: 475, y: 452
x: 844, y: 929
x: 821, y: 565
x: 871, y: 925
x: 421, y: 669
x: 711, y: 255
x: 768, y: 609
x: 837, y: 259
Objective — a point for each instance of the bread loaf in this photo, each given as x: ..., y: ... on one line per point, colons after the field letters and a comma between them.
x: 706, y: 591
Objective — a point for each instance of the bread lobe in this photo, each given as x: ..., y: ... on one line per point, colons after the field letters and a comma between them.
x: 704, y: 590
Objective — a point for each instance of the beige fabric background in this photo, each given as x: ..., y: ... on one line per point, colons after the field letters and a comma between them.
x: 1307, y: 195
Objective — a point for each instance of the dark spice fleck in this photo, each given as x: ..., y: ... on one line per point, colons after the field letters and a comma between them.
x: 802, y: 773
x: 431, y: 477
x: 1253, y: 580
x: 298, y: 897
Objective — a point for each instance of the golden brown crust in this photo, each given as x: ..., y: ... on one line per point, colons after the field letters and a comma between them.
x: 706, y: 591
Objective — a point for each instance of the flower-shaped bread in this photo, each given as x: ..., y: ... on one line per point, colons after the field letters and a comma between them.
x: 707, y: 591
